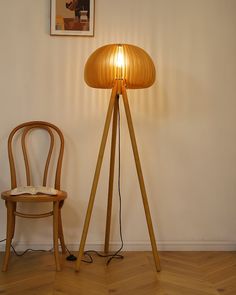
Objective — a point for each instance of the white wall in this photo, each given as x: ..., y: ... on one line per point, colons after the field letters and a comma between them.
x: 185, y: 123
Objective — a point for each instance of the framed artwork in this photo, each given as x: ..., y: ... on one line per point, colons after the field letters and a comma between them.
x: 72, y: 17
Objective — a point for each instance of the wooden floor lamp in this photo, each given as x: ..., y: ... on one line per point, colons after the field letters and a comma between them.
x: 118, y: 66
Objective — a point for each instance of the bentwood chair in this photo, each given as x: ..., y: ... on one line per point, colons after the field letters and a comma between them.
x: 23, y: 132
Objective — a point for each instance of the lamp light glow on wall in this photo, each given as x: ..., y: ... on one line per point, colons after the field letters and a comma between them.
x: 119, y: 67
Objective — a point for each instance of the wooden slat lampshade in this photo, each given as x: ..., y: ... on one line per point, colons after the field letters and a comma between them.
x: 122, y: 62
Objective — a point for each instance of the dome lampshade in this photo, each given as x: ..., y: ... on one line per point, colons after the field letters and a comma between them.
x: 119, y: 62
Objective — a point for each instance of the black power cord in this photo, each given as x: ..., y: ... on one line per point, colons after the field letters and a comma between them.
x: 117, y: 254
x: 27, y: 250
x: 71, y: 257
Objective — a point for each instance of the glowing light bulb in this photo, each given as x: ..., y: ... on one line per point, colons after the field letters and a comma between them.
x: 120, y: 57
x: 119, y: 62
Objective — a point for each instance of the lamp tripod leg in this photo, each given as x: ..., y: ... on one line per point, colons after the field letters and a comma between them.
x: 111, y: 176
x: 96, y: 177
x: 141, y: 179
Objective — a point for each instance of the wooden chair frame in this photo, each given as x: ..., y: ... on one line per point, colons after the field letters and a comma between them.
x: 56, y: 200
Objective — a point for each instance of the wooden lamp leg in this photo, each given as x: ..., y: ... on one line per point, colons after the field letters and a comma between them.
x: 141, y: 179
x: 96, y: 177
x: 111, y: 177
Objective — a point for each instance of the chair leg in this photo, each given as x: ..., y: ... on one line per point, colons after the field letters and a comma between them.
x: 55, y: 234
x: 10, y: 232
x: 13, y: 220
x: 61, y: 236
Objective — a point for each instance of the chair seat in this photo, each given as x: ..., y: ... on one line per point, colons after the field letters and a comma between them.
x: 33, y: 198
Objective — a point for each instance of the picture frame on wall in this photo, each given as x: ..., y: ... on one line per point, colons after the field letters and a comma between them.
x: 72, y: 17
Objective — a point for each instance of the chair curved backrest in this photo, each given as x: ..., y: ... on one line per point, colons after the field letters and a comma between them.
x: 25, y: 128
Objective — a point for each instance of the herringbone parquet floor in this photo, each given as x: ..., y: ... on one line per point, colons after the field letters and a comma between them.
x: 183, y: 273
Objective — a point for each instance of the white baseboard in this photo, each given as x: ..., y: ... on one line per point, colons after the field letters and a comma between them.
x: 139, y: 246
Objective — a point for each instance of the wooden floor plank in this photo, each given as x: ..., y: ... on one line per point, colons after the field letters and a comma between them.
x: 183, y: 273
